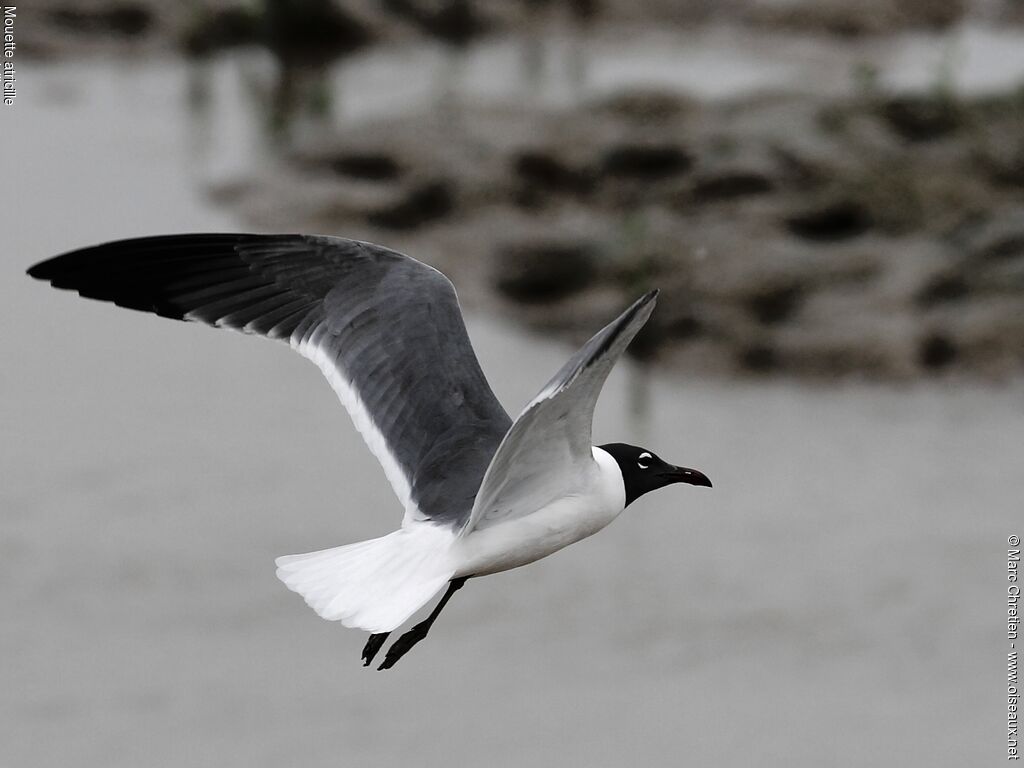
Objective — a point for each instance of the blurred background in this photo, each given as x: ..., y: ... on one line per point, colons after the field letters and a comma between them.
x: 830, y: 196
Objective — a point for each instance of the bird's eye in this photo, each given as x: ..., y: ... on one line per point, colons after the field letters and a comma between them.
x: 643, y: 460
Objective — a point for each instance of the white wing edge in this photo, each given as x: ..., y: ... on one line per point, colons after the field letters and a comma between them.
x: 310, y: 348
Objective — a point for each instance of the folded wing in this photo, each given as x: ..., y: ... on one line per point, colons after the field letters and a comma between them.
x: 550, y: 442
x: 385, y: 329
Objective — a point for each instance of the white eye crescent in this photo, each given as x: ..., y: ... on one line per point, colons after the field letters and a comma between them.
x: 644, y: 460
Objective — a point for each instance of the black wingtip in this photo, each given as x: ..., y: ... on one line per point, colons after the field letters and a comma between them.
x: 39, y: 271
x: 642, y: 302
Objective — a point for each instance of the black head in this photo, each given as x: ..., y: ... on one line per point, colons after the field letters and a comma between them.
x: 642, y: 471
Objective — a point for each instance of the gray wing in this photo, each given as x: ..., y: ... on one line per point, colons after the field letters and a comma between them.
x: 385, y: 330
x: 549, y: 445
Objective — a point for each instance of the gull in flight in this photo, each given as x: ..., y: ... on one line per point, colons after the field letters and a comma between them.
x: 481, y: 493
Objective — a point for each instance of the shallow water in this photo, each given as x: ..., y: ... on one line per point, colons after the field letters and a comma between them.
x: 555, y: 67
x: 240, y: 101
x: 837, y: 599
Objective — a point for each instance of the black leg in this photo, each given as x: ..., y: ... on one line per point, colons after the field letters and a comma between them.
x: 402, y: 645
x: 372, y: 646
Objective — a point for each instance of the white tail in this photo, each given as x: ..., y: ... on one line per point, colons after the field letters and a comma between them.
x: 374, y: 585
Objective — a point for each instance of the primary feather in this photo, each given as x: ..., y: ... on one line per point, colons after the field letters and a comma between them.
x: 385, y: 329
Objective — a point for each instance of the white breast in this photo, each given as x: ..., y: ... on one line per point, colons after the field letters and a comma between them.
x: 564, y: 521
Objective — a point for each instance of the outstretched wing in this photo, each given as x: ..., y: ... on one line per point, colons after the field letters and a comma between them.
x: 550, y: 443
x: 385, y: 330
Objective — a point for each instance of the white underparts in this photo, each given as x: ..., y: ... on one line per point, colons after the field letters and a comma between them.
x: 377, y: 585
x: 599, y: 499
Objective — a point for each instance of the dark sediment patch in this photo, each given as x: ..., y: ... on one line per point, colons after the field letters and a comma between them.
x: 127, y: 19
x: 540, y: 174
x: 540, y: 271
x: 858, y: 20
x: 837, y: 221
x: 1001, y: 248
x: 730, y: 185
x: 675, y: 323
x: 1008, y: 170
x: 455, y: 22
x: 922, y: 118
x: 684, y: 326
x: 758, y: 358
x: 645, y: 162
x: 775, y: 304
x: 941, y: 289
x: 311, y: 32
x: 221, y: 28
x: 308, y: 33
x: 421, y: 205
x: 647, y: 342
x: 644, y: 107
x: 937, y: 352
x: 584, y: 10
x: 369, y: 166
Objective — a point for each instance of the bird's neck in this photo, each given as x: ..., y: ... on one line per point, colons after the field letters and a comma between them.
x: 612, y: 487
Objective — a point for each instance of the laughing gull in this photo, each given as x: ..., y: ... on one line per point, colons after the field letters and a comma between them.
x: 482, y: 493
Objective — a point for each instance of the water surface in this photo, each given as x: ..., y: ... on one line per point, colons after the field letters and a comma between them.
x: 837, y: 599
